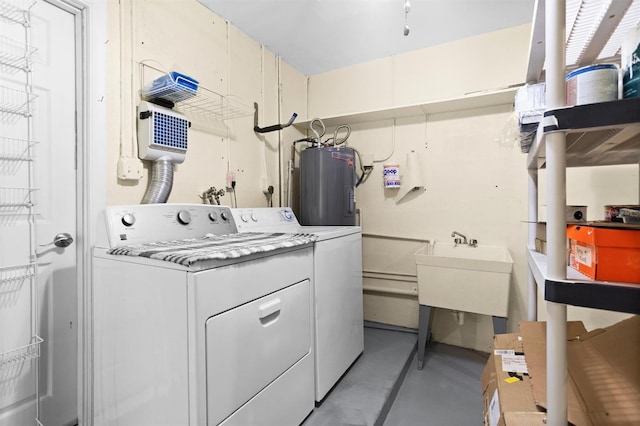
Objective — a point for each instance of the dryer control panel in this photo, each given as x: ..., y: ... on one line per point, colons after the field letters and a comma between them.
x: 145, y: 223
x: 262, y: 218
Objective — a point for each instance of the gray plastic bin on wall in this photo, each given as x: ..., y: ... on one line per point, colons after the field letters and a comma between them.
x: 327, y: 186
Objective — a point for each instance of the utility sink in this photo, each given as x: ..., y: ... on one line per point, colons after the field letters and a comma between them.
x: 478, y: 258
x: 464, y: 278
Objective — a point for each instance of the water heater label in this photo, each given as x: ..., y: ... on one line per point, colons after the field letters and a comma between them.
x: 343, y: 157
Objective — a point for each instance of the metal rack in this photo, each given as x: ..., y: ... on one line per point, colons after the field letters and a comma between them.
x: 203, y: 107
x: 15, y: 56
x: 16, y: 150
x: 21, y: 354
x: 15, y: 104
x: 586, y: 135
x: 17, y: 201
x: 16, y: 11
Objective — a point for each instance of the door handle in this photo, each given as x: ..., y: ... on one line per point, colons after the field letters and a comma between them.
x: 269, y: 312
x: 269, y: 308
x: 63, y: 239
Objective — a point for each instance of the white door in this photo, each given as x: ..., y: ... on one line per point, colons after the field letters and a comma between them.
x: 53, y: 190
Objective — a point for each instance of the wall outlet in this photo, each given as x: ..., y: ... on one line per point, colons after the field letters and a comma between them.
x: 367, y: 160
x: 231, y: 177
x: 129, y: 168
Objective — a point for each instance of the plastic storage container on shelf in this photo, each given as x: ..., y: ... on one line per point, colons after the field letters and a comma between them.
x: 605, y: 254
x: 173, y: 87
x: 591, y: 84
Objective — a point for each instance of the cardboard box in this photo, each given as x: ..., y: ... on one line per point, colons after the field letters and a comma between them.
x: 603, y: 380
x: 506, y: 389
x: 605, y: 254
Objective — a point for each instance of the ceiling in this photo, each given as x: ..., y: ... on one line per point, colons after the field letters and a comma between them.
x: 315, y: 36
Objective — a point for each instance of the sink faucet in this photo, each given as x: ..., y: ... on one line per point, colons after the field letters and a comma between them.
x: 457, y: 240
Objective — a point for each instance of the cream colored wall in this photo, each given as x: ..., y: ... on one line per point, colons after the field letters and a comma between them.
x: 475, y: 181
x: 293, y: 99
x: 474, y: 184
x: 450, y: 70
x: 187, y: 37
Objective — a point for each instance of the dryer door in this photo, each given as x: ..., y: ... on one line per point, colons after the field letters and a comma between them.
x: 250, y: 346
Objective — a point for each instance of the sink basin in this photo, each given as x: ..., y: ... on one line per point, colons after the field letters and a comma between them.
x: 464, y: 278
x: 480, y: 258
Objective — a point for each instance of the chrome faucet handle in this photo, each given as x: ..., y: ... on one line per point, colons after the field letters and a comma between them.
x: 457, y: 241
x: 473, y: 243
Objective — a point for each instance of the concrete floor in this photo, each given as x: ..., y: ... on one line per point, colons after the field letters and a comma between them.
x: 384, y: 387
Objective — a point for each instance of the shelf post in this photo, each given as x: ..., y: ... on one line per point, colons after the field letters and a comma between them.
x: 532, y: 219
x: 556, y: 220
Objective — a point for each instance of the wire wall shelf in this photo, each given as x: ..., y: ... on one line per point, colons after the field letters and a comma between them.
x: 15, y: 56
x: 12, y: 200
x: 15, y: 104
x: 207, y: 106
x: 16, y: 149
x: 22, y: 354
x: 17, y: 11
x: 203, y: 107
x: 16, y: 157
x: 12, y: 278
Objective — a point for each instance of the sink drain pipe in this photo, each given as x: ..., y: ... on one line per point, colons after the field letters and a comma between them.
x: 459, y: 316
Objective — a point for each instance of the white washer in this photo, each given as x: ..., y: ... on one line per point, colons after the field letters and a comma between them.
x: 337, y: 286
x: 222, y: 341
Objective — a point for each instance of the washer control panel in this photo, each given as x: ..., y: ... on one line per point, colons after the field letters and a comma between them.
x: 264, y: 217
x: 144, y: 223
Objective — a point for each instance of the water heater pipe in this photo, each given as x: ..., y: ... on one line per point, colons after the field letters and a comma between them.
x: 160, y: 181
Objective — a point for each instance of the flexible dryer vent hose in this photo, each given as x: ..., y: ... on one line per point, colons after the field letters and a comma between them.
x: 160, y: 181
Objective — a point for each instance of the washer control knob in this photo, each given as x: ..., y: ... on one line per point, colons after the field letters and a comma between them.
x: 254, y: 217
x: 244, y: 218
x: 288, y: 216
x: 184, y: 217
x: 213, y: 217
x: 128, y: 219
x: 224, y: 216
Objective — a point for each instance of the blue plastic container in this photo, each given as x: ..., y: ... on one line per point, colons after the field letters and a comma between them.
x: 174, y: 87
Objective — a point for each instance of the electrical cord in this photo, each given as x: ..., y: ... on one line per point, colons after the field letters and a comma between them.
x: 233, y: 188
x: 363, y: 173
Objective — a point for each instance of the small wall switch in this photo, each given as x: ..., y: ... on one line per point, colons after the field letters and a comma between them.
x: 129, y: 168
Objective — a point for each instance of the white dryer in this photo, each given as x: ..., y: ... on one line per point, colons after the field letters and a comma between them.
x: 337, y: 288
x: 195, y: 324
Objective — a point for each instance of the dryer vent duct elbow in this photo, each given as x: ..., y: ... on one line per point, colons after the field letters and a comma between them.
x: 160, y: 182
